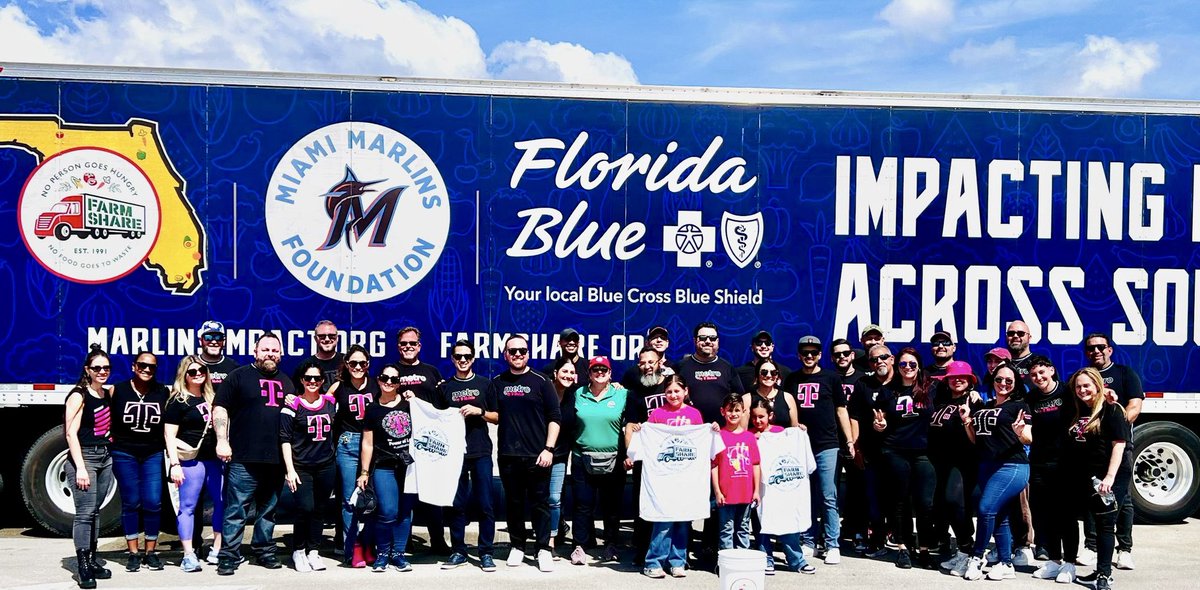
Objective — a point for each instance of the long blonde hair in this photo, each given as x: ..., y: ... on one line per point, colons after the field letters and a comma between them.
x: 181, y: 385
x: 1098, y: 400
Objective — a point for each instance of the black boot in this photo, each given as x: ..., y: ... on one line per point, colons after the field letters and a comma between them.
x: 98, y: 571
x: 84, y: 567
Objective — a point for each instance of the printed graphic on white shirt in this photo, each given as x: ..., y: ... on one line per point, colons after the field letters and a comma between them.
x: 438, y: 445
x: 787, y: 462
x: 676, y: 470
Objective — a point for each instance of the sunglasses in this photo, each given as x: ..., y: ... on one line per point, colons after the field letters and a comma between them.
x: 145, y: 366
x: 312, y: 378
x: 327, y: 337
x: 392, y: 379
x: 358, y: 364
x: 843, y: 353
x: 517, y: 351
x: 880, y: 358
x: 1016, y: 334
x: 213, y: 337
x: 763, y: 343
x: 907, y: 364
x: 409, y: 343
x: 810, y: 353
x: 941, y: 343
x: 768, y: 373
x: 1004, y: 380
x: 707, y: 338
x: 1095, y: 347
x: 599, y: 370
x: 197, y: 372
x: 100, y: 368
x: 463, y: 357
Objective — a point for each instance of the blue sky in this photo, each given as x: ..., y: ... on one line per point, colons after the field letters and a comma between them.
x: 1039, y: 47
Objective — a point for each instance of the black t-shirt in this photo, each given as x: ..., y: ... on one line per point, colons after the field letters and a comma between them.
x: 422, y: 379
x: 391, y: 429
x: 947, y: 437
x: 642, y: 400
x: 748, y: 375
x: 95, y: 419
x: 935, y: 372
x: 137, y: 426
x: 1051, y: 416
x: 527, y: 403
x: 632, y: 376
x: 818, y: 396
x: 708, y: 384
x: 456, y: 393
x: 581, y: 369
x: 253, y: 399
x: 192, y: 417
x: 1089, y: 452
x: 994, y: 436
x: 309, y: 429
x: 1022, y: 366
x: 1124, y: 382
x: 218, y: 371
x: 861, y: 406
x: 352, y: 405
x: 329, y: 369
x: 780, y: 412
x: 907, y: 418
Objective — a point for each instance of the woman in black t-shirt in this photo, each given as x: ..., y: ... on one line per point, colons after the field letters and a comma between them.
x: 306, y: 443
x: 354, y: 392
x: 1052, y: 499
x: 137, y: 452
x: 87, y: 419
x: 387, y: 432
x: 954, y: 461
x: 187, y: 420
x: 767, y: 382
x: 1098, y: 448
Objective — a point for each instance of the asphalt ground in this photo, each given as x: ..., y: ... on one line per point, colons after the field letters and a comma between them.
x: 1166, y: 557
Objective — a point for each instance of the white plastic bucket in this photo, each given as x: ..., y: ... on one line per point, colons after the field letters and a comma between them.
x: 742, y: 569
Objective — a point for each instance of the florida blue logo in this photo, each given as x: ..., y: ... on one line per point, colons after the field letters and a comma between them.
x: 786, y: 473
x: 357, y: 212
x: 677, y: 453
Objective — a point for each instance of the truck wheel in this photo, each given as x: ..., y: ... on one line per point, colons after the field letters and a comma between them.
x: 62, y: 231
x: 47, y: 493
x: 95, y: 233
x: 1166, y: 472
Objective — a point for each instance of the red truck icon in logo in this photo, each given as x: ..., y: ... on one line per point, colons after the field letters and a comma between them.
x: 87, y: 214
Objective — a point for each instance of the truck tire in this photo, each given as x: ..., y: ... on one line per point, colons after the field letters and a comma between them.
x: 47, y: 493
x: 62, y: 231
x: 1166, y: 472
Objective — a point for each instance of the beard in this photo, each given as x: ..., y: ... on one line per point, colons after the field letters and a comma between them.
x: 652, y: 379
x: 268, y: 365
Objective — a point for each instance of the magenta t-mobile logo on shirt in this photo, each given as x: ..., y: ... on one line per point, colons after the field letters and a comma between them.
x: 358, y: 403
x: 807, y: 394
x: 318, y: 426
x: 272, y: 390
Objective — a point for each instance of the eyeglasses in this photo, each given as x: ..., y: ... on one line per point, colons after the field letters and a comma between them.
x: 393, y: 379
x: 145, y: 366
x: 707, y: 338
x: 213, y: 337
x: 463, y: 357
x: 1016, y: 333
x: 879, y: 359
x: 358, y: 364
x: 843, y: 353
x: 768, y: 373
x: 907, y: 364
x: 409, y: 343
x: 312, y: 378
x: 197, y: 371
x: 100, y: 368
x: 327, y: 337
x: 517, y: 351
x: 1004, y: 380
x: 1095, y: 347
x: 599, y: 370
x: 941, y: 343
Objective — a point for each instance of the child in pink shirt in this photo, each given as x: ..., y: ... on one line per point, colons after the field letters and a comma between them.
x: 735, y: 477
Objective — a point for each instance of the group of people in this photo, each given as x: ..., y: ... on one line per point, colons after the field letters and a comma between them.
x: 884, y: 439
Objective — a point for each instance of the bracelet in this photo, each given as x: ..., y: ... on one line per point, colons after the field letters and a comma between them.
x: 175, y: 465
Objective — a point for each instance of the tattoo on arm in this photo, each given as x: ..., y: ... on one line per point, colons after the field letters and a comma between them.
x: 220, y: 420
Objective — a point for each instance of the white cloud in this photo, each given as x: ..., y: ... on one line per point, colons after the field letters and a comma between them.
x: 385, y: 37
x: 926, y: 17
x: 1109, y: 67
x: 567, y: 62
x: 973, y: 53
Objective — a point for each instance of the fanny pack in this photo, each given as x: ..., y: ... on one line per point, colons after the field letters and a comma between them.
x: 598, y: 463
x: 187, y: 452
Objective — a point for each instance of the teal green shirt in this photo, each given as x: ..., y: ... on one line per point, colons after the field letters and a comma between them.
x: 598, y: 422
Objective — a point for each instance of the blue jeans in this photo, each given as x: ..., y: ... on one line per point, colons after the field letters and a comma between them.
x: 824, y: 500
x: 261, y: 484
x: 558, y: 475
x: 791, y: 549
x: 474, y: 486
x: 668, y: 541
x: 734, y: 520
x: 393, y: 520
x: 1001, y: 483
x: 140, y: 480
x: 348, y: 446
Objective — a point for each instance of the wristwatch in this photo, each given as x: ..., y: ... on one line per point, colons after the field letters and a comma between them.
x: 548, y: 448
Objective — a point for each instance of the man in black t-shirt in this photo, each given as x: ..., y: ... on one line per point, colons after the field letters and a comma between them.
x: 645, y: 395
x: 420, y: 379
x: 941, y: 345
x: 327, y: 356
x: 1126, y: 384
x: 657, y: 339
x: 1017, y: 337
x: 212, y: 352
x: 872, y: 335
x: 568, y: 346
x: 709, y: 378
x: 763, y: 347
x: 246, y: 421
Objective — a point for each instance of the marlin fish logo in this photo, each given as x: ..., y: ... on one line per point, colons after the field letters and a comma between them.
x: 349, y: 220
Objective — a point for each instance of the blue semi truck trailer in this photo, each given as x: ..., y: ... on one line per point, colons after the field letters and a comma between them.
x: 478, y: 209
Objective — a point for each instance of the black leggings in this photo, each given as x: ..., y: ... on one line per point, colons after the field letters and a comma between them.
x: 316, y: 486
x: 1054, y: 511
x: 1106, y: 523
x: 913, y: 481
x: 952, y: 502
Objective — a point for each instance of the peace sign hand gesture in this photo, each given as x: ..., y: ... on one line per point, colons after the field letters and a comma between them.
x: 880, y: 421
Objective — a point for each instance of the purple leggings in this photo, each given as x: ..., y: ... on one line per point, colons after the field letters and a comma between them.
x: 196, y: 475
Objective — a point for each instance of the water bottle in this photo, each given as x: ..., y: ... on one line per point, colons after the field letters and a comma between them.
x: 1107, y: 497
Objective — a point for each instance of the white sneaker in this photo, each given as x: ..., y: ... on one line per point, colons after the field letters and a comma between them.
x: 1124, y: 560
x: 1048, y: 571
x: 1066, y: 573
x: 834, y: 557
x: 807, y: 551
x: 515, y: 557
x: 1086, y: 557
x: 214, y: 557
x: 315, y: 562
x: 1023, y: 556
x: 545, y: 561
x: 953, y: 563
x: 974, y: 569
x: 1002, y: 571
x: 300, y: 560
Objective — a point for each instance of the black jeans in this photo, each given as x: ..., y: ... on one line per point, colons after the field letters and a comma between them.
x: 316, y: 485
x: 957, y: 476
x: 474, y: 486
x: 591, y: 491
x: 526, y: 491
x: 913, y: 480
x: 1054, y: 511
x: 85, y: 529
